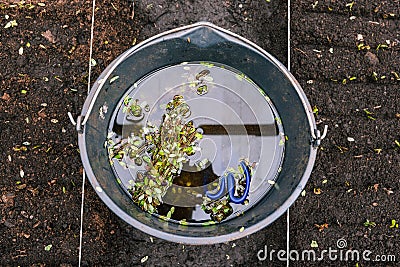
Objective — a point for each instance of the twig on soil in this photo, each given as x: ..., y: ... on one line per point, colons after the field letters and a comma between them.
x: 301, y: 51
x: 133, y: 10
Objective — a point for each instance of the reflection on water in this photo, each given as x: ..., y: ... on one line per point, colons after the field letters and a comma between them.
x: 236, y: 119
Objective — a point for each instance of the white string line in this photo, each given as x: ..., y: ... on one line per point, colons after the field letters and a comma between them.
x: 81, y: 227
x: 287, y: 212
x: 88, y: 90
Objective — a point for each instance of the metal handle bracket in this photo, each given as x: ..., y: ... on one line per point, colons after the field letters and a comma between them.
x: 317, y: 137
x: 78, y: 123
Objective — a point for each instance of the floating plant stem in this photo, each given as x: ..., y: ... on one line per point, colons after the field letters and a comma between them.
x: 163, y: 150
x: 218, y: 210
x: 154, y: 149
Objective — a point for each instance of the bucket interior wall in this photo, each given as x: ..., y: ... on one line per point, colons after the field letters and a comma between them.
x: 206, y: 44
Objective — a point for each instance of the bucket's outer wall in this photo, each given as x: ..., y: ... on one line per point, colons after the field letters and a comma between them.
x: 201, y: 43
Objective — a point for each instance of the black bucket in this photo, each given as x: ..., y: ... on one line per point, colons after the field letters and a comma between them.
x: 201, y: 42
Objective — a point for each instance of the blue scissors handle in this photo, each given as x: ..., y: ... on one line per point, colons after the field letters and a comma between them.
x: 231, y: 187
x: 220, y: 192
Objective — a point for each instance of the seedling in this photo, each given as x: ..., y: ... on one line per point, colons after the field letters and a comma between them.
x: 397, y: 143
x: 381, y: 46
x: 350, y: 5
x: 362, y: 46
x: 368, y: 114
x: 11, y: 24
x: 170, y: 212
x: 394, y: 224
x: 342, y: 149
x: 369, y: 223
x: 315, y: 110
x: 375, y: 76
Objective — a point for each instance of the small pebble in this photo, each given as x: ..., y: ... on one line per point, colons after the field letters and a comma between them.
x: 350, y: 139
x: 8, y: 224
x: 372, y: 58
x: 144, y: 259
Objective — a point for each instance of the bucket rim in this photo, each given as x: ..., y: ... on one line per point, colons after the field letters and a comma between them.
x: 91, y: 99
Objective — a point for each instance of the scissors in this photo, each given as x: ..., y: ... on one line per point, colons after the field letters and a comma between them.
x: 231, y: 187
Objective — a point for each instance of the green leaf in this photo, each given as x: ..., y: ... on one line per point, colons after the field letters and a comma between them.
x: 240, y: 76
x: 93, y: 62
x: 11, y: 24
x: 198, y: 135
x: 314, y: 244
x: 397, y: 143
x: 113, y: 79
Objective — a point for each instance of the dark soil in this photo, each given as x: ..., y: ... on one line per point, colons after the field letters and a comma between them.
x: 41, y: 205
x: 359, y: 179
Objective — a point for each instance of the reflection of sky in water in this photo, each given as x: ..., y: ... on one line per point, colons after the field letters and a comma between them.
x: 231, y: 100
